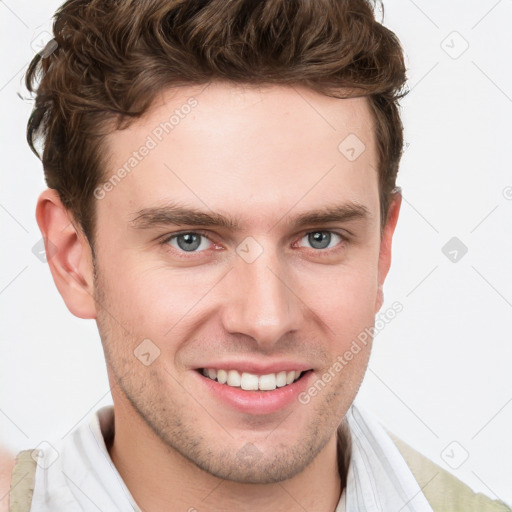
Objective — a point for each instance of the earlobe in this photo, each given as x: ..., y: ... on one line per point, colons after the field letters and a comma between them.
x: 385, y: 246
x: 68, y: 254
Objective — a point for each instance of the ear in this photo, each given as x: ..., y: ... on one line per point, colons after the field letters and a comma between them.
x: 385, y: 244
x: 68, y: 254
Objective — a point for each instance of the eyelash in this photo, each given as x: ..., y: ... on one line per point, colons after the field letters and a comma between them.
x: 165, y: 242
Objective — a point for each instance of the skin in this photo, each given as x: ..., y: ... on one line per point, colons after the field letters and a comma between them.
x: 6, y: 467
x: 261, y: 155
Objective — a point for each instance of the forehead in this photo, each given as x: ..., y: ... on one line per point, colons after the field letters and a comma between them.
x: 243, y: 148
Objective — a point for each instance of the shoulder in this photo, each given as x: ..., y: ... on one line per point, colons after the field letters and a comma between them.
x: 444, y: 491
x: 7, y: 461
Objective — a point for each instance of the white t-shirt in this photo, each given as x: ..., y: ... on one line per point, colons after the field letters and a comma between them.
x: 76, y: 474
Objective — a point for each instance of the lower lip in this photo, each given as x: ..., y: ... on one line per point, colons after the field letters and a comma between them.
x: 258, y: 402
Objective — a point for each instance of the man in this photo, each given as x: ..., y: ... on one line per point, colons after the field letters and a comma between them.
x: 222, y: 201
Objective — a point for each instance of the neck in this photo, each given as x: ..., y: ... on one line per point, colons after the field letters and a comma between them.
x: 158, y: 476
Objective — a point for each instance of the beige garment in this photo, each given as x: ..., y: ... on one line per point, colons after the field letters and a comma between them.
x: 23, y: 481
x: 444, y: 492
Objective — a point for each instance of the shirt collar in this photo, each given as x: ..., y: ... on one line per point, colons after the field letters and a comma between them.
x: 378, y: 477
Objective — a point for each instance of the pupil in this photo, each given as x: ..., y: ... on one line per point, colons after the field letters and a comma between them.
x: 188, y: 241
x: 319, y: 239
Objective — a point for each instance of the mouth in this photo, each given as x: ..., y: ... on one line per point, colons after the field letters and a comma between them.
x: 251, y: 381
x: 255, y: 388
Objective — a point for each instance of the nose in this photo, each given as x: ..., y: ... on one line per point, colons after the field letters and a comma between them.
x: 261, y: 302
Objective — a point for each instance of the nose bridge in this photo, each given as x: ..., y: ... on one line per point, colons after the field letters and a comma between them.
x: 261, y: 304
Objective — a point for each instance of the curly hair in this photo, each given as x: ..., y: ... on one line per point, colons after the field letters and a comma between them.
x: 110, y: 58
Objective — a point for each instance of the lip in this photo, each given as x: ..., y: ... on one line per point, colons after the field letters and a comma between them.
x: 257, y: 402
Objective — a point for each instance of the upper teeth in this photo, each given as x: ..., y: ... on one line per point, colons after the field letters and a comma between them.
x: 250, y: 381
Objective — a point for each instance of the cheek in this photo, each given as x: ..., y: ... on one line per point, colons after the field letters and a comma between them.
x: 154, y: 301
x: 344, y: 298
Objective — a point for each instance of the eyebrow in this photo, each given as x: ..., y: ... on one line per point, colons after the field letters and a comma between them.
x: 176, y: 214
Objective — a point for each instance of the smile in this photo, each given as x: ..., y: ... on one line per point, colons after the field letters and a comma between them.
x: 250, y: 381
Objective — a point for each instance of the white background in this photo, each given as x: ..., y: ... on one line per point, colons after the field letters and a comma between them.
x: 441, y: 370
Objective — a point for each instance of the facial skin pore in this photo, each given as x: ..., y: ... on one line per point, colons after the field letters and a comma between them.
x: 262, y: 158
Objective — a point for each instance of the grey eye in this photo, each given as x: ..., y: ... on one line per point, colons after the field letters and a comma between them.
x: 319, y: 239
x: 322, y: 239
x: 188, y: 242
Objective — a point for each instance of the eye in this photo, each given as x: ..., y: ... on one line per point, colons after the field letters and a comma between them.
x: 189, y: 242
x: 194, y: 242
x: 323, y: 239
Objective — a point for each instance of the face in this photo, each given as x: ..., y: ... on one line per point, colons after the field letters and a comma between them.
x: 245, y: 245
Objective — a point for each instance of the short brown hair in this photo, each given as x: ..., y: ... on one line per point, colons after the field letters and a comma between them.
x: 112, y: 57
